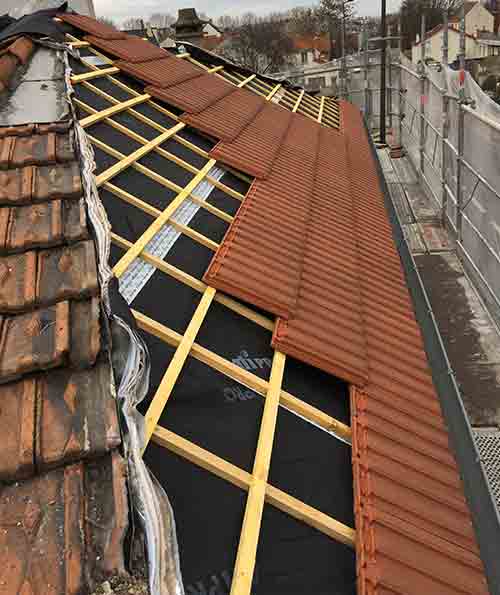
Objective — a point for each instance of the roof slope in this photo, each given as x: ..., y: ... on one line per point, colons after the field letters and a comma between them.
x: 63, y: 512
x: 312, y: 243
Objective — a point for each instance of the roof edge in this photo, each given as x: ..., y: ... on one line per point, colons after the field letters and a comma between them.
x: 484, y: 512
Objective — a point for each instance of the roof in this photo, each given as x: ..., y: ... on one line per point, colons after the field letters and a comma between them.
x: 64, y: 511
x: 256, y: 210
x: 438, y: 28
x: 311, y: 42
x: 468, y: 6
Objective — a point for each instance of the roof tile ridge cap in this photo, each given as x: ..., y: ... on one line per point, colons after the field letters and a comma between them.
x: 218, y: 259
x: 281, y: 328
x: 355, y: 217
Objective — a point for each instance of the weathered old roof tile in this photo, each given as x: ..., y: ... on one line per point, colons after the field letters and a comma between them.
x: 76, y: 416
x: 34, y: 341
x: 22, y: 48
x: 68, y: 272
x: 62, y: 530
x: 85, y: 333
x: 17, y: 282
x: 38, y: 149
x: 18, y: 425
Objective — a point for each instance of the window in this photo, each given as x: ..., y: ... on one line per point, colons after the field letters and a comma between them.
x: 303, y: 57
x: 316, y: 83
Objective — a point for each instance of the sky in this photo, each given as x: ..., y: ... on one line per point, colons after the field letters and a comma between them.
x: 123, y: 9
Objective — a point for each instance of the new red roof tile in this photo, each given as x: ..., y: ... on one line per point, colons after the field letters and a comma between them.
x: 161, y: 73
x: 226, y: 118
x: 92, y: 26
x: 193, y: 95
x: 130, y: 48
x: 317, y: 250
x: 255, y: 149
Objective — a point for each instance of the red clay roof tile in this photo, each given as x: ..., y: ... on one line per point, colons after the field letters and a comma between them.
x: 327, y: 264
x: 92, y: 26
x: 131, y: 48
x: 256, y: 148
x: 42, y: 225
x: 60, y: 530
x: 226, y: 118
x: 193, y: 95
x: 39, y: 149
x: 42, y: 337
x: 54, y: 419
x: 22, y: 48
x: 11, y: 57
x: 161, y: 73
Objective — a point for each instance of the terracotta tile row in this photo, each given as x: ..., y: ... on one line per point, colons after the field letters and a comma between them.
x: 39, y: 183
x: 64, y: 415
x: 256, y: 147
x: 38, y: 149
x: 228, y: 117
x: 193, y: 95
x: 67, y: 333
x: 39, y: 278
x: 42, y: 225
x: 92, y: 26
x: 15, y: 55
x: 265, y: 265
x: 63, y: 530
x: 162, y: 73
x: 130, y: 48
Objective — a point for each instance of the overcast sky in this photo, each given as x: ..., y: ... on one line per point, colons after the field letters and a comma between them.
x: 123, y: 9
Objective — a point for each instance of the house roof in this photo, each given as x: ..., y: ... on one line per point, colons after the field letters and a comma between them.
x: 58, y: 418
x: 311, y: 42
x: 438, y: 28
x: 266, y: 202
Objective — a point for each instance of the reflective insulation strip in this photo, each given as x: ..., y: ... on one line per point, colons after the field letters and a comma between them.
x: 139, y: 272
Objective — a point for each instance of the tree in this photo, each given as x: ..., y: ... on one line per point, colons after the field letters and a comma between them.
x: 411, y: 16
x: 332, y: 16
x: 260, y: 44
x: 228, y: 23
x: 305, y: 21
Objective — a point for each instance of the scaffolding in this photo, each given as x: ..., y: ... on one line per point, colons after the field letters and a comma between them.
x: 450, y: 130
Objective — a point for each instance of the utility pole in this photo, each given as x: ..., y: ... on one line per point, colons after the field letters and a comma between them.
x: 383, y: 66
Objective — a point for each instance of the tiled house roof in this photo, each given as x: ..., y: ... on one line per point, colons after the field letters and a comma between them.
x: 63, y: 503
x: 311, y: 244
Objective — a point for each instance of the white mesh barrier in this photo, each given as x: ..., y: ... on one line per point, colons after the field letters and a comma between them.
x: 480, y: 162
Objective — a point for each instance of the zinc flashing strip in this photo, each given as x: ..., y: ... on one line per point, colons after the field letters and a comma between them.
x: 482, y: 505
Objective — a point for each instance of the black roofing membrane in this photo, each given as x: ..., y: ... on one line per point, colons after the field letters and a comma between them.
x: 104, y: 84
x: 208, y: 514
x: 167, y: 301
x: 209, y: 225
x: 223, y: 416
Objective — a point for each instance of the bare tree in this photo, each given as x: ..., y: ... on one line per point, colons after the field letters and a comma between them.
x: 260, y: 44
x: 332, y: 14
x: 305, y: 20
x: 228, y: 23
x: 411, y: 15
